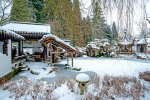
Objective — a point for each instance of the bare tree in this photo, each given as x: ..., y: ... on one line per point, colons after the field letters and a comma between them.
x: 4, y: 7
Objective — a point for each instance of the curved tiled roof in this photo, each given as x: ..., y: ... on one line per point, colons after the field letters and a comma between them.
x: 7, y: 34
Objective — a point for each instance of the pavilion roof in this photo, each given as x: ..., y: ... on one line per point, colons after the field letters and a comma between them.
x: 7, y: 34
x: 126, y: 41
x: 31, y: 31
x: 144, y: 41
x: 57, y: 42
x: 26, y: 27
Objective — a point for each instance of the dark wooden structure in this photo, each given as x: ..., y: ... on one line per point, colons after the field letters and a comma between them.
x: 125, y: 45
x: 52, y: 40
x: 14, y: 37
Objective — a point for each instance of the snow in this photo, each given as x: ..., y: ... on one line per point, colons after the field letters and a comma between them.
x: 28, y: 27
x: 13, y: 34
x: 37, y: 67
x: 125, y: 42
x: 4, y: 95
x: 93, y: 45
x: 101, y: 66
x: 111, y: 66
x: 142, y: 41
x: 57, y: 39
x: 143, y: 55
x: 82, y: 77
x: 63, y: 93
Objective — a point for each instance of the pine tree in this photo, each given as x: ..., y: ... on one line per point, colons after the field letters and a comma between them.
x: 37, y: 6
x: 86, y: 29
x: 48, y: 10
x: 20, y: 11
x: 99, y: 26
x: 114, y: 32
x: 108, y: 32
x: 67, y: 22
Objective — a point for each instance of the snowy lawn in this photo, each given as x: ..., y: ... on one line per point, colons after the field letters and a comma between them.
x: 111, y: 66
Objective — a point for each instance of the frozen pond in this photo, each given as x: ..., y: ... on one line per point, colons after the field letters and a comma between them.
x: 50, y: 78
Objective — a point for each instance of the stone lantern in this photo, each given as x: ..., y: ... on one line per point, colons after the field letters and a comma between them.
x: 82, y: 79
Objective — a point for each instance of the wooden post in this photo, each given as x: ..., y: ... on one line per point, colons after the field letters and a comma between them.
x: 19, y: 48
x: 57, y: 51
x: 72, y: 59
x: 67, y: 58
x: 51, y: 53
x: 45, y: 53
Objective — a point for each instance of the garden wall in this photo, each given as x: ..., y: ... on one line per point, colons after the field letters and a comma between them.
x: 5, y: 61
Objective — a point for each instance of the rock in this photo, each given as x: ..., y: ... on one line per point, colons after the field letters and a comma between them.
x: 99, y: 48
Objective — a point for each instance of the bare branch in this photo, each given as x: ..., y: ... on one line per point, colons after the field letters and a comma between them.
x: 4, y: 16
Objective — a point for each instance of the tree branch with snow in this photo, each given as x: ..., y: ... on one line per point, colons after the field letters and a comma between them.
x: 4, y: 14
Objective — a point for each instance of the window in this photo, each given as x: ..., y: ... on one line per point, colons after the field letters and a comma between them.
x: 5, y: 47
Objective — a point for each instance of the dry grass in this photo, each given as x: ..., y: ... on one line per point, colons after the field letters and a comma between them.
x: 18, y: 89
x: 96, y: 80
x: 121, y: 86
x: 88, y: 96
x: 71, y: 84
x: 61, y: 80
x: 28, y: 88
x: 145, y: 76
x: 108, y: 87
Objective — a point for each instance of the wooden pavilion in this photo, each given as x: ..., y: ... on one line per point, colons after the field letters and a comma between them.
x: 50, y: 40
x: 125, y: 45
x: 30, y: 31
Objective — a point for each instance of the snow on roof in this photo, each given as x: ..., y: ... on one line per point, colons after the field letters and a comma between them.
x: 143, y: 41
x: 57, y: 39
x: 27, y: 27
x: 82, y: 77
x: 125, y: 41
x: 11, y: 33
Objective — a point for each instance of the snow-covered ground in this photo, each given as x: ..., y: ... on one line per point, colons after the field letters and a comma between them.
x: 111, y: 66
x: 37, y: 67
x: 101, y: 66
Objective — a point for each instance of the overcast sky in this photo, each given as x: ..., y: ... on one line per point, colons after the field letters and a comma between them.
x: 113, y: 17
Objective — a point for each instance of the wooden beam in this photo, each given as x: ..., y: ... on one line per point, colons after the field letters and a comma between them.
x: 57, y: 52
x: 60, y: 44
x: 72, y: 59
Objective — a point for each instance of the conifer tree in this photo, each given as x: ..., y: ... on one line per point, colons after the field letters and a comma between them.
x: 20, y: 11
x: 108, y: 32
x: 37, y: 6
x: 114, y: 32
x: 99, y: 26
